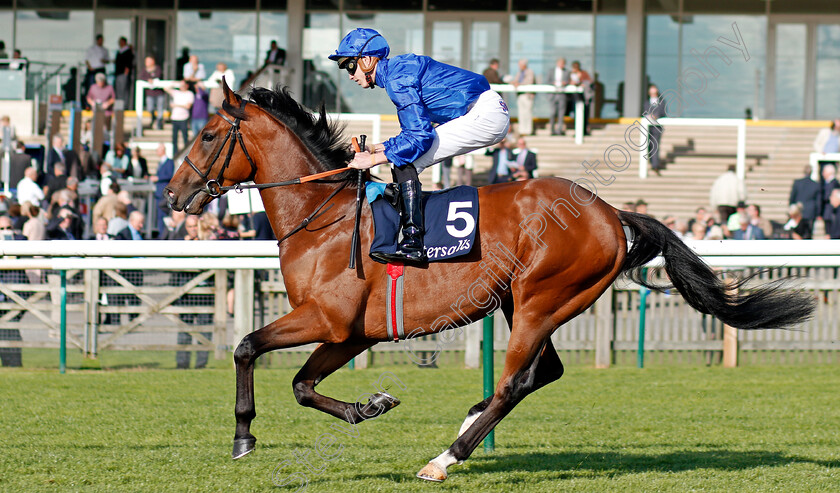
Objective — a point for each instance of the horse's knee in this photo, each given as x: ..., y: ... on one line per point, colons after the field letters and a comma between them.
x: 244, y: 353
x: 303, y: 392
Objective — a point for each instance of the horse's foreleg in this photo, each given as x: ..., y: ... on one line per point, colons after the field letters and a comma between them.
x: 326, y: 359
x: 302, y: 326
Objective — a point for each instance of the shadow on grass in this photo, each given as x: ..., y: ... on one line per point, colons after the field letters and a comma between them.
x: 629, y: 463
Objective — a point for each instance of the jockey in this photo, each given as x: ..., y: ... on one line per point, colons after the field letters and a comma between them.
x: 468, y: 114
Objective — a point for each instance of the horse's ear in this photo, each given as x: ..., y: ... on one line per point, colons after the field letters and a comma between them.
x: 231, y: 97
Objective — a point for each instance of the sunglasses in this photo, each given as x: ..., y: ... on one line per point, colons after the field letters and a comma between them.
x: 350, y: 65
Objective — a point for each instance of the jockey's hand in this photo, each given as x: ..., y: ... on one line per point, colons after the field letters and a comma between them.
x: 362, y: 160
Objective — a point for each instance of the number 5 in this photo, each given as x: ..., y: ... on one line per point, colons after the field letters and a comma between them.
x: 454, y: 215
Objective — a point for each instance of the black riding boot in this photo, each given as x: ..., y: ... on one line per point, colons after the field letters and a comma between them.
x: 411, y: 219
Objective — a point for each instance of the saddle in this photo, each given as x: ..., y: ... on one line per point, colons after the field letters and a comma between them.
x: 450, y: 220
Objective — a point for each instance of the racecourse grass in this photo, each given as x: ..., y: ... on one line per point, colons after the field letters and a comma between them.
x: 659, y: 429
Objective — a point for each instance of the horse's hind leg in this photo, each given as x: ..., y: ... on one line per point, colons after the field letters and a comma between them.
x: 326, y: 359
x: 516, y: 382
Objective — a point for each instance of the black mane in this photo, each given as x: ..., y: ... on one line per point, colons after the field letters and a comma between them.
x: 324, y: 138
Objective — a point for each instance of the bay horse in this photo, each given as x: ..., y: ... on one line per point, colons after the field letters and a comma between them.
x: 544, y: 252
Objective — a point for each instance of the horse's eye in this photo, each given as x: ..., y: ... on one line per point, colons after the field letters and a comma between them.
x: 207, y: 137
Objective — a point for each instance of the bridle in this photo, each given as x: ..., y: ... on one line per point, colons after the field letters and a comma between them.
x: 212, y: 186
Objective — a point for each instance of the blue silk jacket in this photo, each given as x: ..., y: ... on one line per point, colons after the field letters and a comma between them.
x: 424, y: 91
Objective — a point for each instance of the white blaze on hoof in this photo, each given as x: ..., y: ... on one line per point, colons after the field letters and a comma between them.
x: 468, y: 422
x: 435, y: 470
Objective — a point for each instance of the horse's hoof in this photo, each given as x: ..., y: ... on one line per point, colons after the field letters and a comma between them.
x: 384, y: 399
x: 432, y: 473
x: 243, y: 447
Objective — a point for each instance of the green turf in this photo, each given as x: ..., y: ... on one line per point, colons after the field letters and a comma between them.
x: 662, y: 429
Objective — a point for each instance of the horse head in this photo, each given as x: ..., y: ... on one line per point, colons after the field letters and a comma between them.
x: 219, y: 157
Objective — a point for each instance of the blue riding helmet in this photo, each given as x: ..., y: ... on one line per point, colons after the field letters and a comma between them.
x: 361, y: 42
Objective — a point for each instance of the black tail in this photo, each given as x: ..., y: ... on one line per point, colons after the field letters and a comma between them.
x: 768, y: 307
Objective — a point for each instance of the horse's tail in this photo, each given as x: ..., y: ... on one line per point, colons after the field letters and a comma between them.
x: 767, y: 307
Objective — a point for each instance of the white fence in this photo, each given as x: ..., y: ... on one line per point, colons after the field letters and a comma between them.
x: 174, y: 272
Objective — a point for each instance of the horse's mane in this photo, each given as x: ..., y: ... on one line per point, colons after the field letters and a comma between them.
x: 324, y: 138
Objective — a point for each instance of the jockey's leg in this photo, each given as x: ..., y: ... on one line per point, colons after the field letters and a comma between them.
x: 411, y: 214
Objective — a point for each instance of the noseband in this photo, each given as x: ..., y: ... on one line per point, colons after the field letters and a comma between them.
x: 212, y: 186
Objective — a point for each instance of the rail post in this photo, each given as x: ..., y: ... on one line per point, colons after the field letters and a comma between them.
x: 487, y: 345
x: 62, y: 349
x: 643, y: 292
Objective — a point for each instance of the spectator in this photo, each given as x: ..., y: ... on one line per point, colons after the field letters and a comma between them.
x: 86, y: 137
x: 747, y: 231
x: 754, y: 215
x: 806, y: 192
x: 3, y: 53
x: 60, y: 226
x: 559, y: 78
x: 275, y: 55
x: 582, y: 79
x: 200, y: 111
x: 798, y: 227
x: 180, y: 62
x: 34, y: 229
x: 118, y: 161
x: 262, y: 226
x: 503, y: 162
x: 95, y: 58
x: 222, y: 70
x: 6, y: 123
x: 120, y: 220
x: 103, y: 94
x: 100, y: 230
x: 182, y: 101
x: 630, y: 206
x: 828, y: 140
x: 18, y: 61
x: 65, y: 199
x: 654, y: 111
x: 28, y: 189
x: 525, y: 100
x: 19, y: 161
x: 491, y: 73
x: 698, y: 231
x: 124, y: 69
x: 125, y: 198
x: 700, y: 215
x: 137, y: 166
x: 526, y: 161
x: 69, y: 86
x: 15, y: 214
x: 58, y: 153
x: 107, y: 204
x: 134, y: 230
x: 194, y: 71
x: 165, y: 171
x: 733, y: 222
x: 191, y: 227
x: 829, y: 183
x: 641, y: 207
x: 726, y: 192
x: 174, y: 226
x: 155, y: 98
x: 56, y: 182
x: 832, y: 215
